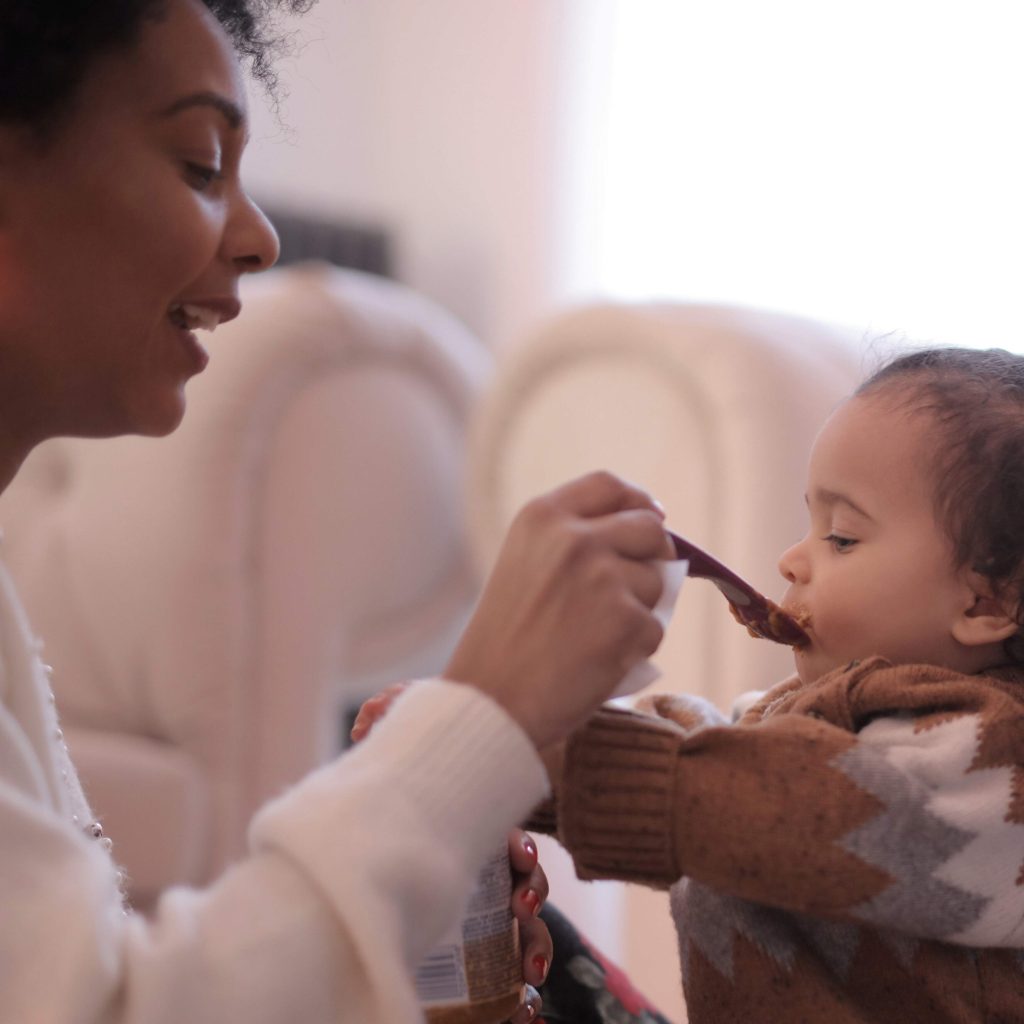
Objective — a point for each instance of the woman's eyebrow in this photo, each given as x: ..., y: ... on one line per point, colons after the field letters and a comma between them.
x: 232, y: 112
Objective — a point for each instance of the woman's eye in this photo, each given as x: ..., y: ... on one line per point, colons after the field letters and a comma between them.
x: 200, y: 176
x: 840, y: 543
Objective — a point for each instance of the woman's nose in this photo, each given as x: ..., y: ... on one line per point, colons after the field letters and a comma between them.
x: 250, y: 238
x: 793, y: 563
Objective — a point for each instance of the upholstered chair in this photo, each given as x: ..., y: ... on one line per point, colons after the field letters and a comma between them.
x: 216, y: 603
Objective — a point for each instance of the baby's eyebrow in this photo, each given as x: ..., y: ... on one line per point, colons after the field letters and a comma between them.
x: 824, y: 496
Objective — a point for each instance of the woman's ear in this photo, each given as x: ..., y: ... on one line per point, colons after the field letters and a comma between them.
x: 988, y: 618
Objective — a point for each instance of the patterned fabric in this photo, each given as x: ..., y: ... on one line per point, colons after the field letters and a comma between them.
x: 850, y: 850
x: 585, y: 988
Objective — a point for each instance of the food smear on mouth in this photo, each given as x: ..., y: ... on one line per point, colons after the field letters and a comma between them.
x: 778, y: 625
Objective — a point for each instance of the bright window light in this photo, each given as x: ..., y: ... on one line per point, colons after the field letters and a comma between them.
x: 860, y: 163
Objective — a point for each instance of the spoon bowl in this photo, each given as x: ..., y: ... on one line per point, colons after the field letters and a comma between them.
x: 762, y: 616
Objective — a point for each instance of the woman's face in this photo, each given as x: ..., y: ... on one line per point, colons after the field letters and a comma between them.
x: 131, y: 210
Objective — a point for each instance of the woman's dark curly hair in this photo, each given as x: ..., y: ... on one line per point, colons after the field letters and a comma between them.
x: 46, y: 46
x: 976, y: 401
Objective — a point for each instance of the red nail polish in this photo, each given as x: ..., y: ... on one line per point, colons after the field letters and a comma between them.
x: 531, y: 901
x: 530, y: 847
x: 540, y: 964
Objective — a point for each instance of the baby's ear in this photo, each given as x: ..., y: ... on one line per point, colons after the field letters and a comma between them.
x: 989, y: 618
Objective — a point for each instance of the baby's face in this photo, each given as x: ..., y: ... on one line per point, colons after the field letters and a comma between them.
x: 875, y: 571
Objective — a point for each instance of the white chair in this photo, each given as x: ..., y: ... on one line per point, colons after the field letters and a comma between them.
x: 714, y: 410
x: 216, y: 602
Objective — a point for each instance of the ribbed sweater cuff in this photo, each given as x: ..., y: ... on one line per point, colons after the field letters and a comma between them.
x: 615, y: 805
x: 461, y: 757
x: 446, y: 761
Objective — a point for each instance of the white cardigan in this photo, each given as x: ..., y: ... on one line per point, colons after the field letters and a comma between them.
x: 352, y: 875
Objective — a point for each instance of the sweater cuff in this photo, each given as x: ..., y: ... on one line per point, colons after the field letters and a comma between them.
x: 462, y: 758
x: 543, y: 818
x: 446, y: 761
x: 616, y: 802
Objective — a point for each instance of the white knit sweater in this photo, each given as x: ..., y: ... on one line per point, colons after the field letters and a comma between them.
x: 352, y: 875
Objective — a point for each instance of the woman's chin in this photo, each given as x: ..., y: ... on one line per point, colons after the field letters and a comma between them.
x: 158, y: 416
x: 163, y: 424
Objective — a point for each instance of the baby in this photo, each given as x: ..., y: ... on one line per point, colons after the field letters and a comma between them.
x: 852, y: 848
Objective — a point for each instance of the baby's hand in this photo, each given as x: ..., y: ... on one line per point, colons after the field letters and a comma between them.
x: 374, y: 709
x: 689, y: 712
x: 529, y: 891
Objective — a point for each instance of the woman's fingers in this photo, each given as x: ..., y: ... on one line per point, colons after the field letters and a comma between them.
x: 529, y: 1009
x: 522, y: 851
x: 644, y: 581
x: 529, y: 892
x: 637, y: 533
x: 530, y: 883
x: 601, y: 492
x: 566, y: 611
x: 535, y: 942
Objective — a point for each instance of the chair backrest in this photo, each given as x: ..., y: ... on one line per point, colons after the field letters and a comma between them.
x: 714, y: 410
x: 221, y: 596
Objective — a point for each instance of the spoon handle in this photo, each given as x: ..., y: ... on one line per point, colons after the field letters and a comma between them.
x: 762, y: 617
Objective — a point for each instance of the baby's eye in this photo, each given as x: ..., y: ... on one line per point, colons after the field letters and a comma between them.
x: 840, y: 544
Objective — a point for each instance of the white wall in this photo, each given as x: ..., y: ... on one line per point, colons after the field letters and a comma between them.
x: 435, y: 119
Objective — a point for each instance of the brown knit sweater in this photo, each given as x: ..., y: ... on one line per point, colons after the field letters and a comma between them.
x: 849, y: 850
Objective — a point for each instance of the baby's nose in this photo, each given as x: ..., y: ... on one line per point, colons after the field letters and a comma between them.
x: 790, y: 562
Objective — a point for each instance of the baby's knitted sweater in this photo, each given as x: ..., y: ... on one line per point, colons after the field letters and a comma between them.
x: 850, y: 850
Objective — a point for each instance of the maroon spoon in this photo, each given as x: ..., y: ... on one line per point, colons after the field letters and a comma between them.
x: 762, y: 617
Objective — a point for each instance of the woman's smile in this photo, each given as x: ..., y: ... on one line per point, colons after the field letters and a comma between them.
x: 113, y: 214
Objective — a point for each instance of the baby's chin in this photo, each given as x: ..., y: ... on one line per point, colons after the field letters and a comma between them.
x: 812, y: 663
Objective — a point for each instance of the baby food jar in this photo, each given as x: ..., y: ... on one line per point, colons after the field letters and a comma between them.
x: 475, y: 974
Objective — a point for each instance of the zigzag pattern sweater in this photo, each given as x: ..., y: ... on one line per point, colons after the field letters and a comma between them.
x: 850, y: 850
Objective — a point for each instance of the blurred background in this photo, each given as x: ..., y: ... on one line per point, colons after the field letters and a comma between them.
x: 858, y: 164
x: 663, y: 237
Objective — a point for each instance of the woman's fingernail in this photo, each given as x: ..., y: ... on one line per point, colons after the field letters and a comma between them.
x: 661, y: 508
x: 530, y: 847
x: 540, y: 965
x: 531, y: 901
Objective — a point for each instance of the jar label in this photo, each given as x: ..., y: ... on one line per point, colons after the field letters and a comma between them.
x: 480, y: 958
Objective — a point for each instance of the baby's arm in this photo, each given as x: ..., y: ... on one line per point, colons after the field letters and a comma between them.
x: 906, y: 820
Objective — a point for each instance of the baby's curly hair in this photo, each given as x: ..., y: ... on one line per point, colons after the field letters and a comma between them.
x: 976, y: 400
x: 46, y: 46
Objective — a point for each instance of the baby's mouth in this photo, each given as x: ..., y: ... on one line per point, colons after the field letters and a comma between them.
x: 801, y: 615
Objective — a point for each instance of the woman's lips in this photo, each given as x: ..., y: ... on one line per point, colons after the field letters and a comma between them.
x: 197, y: 355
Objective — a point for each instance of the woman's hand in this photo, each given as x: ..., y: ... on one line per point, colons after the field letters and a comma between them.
x: 529, y: 891
x: 529, y: 1008
x: 529, y: 883
x: 567, y: 609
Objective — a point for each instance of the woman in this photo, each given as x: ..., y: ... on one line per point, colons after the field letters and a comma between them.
x: 123, y: 228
